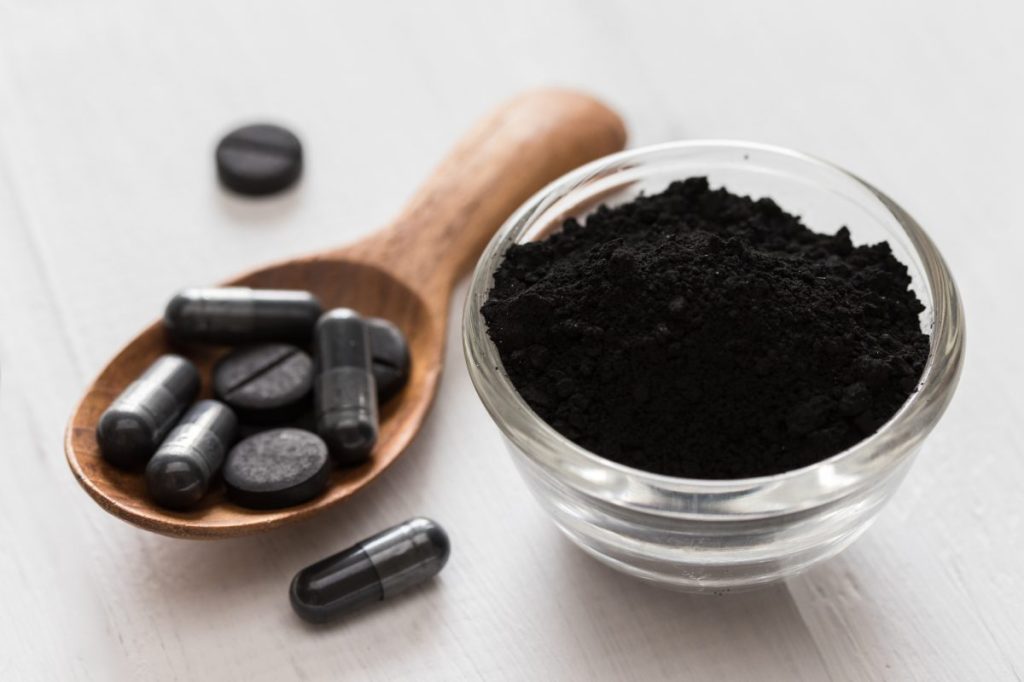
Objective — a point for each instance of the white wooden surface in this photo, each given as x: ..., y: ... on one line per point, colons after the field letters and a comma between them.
x: 108, y: 203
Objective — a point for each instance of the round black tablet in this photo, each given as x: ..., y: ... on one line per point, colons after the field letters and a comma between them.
x: 267, y: 384
x: 390, y: 358
x: 278, y: 468
x: 259, y: 159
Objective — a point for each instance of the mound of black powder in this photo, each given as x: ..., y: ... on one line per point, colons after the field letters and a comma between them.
x: 702, y: 334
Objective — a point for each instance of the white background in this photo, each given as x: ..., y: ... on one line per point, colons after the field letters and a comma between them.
x: 108, y: 203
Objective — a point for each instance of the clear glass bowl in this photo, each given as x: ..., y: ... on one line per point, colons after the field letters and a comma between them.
x: 717, y: 535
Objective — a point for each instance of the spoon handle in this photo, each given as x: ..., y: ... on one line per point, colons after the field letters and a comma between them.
x: 507, y: 157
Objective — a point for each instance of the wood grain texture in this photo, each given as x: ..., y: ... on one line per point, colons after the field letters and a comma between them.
x: 109, y: 112
x: 404, y: 274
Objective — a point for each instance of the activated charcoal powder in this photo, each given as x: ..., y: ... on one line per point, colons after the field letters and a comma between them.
x: 701, y: 334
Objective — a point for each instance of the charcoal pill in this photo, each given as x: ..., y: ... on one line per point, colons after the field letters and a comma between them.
x: 375, y: 569
x: 259, y: 159
x: 277, y: 468
x: 239, y: 315
x: 390, y: 358
x: 180, y: 472
x: 130, y: 430
x: 344, y: 392
x: 267, y: 384
x: 305, y: 420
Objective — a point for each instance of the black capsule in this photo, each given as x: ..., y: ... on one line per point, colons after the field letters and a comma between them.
x: 267, y: 384
x: 180, y: 472
x: 130, y: 430
x: 344, y: 393
x: 259, y: 159
x: 277, y: 468
x: 375, y: 569
x: 240, y: 315
x: 390, y: 358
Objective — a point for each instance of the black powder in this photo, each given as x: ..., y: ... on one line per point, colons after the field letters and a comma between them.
x: 702, y: 334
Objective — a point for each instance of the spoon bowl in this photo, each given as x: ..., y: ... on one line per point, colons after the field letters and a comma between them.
x: 404, y: 273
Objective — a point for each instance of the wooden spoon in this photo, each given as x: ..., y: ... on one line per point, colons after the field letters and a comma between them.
x: 404, y: 273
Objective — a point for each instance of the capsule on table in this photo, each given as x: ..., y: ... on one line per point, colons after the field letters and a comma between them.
x: 375, y: 569
x: 130, y: 430
x: 237, y: 315
x: 180, y: 472
x: 344, y: 390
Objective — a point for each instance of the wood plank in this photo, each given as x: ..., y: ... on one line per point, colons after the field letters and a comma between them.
x: 108, y: 203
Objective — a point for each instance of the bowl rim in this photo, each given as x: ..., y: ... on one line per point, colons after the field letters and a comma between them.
x: 872, y: 457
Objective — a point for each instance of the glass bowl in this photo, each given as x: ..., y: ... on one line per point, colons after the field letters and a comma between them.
x: 719, y: 535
